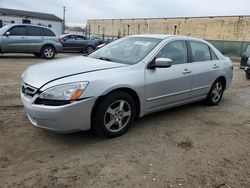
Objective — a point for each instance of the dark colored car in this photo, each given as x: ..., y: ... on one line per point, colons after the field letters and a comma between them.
x: 27, y: 38
x: 245, y: 61
x: 77, y: 43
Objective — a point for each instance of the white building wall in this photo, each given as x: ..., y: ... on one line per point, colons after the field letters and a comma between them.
x: 55, y: 26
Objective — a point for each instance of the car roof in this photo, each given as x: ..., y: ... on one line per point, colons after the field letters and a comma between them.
x: 11, y: 25
x: 162, y: 37
x: 157, y: 36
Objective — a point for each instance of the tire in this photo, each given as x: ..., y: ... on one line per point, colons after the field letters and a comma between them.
x: 37, y: 54
x: 216, y: 92
x: 113, y: 116
x: 48, y: 52
x: 90, y: 49
x: 247, y: 75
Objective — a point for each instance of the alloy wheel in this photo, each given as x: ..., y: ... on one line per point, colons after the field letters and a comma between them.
x: 117, y: 116
x: 217, y: 92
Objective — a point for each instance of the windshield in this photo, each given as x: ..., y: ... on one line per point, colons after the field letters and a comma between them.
x: 3, y: 29
x: 129, y: 50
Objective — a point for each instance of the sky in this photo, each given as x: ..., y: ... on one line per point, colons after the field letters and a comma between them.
x: 78, y: 11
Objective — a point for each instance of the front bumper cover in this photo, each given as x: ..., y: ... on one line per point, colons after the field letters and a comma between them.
x: 64, y: 119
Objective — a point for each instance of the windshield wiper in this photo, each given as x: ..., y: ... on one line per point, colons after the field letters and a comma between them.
x: 105, y: 59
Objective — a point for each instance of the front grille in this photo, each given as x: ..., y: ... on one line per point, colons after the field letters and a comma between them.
x: 28, y: 90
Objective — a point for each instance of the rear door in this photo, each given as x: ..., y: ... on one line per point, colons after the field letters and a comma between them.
x: 36, y: 37
x: 16, y: 41
x: 205, y: 66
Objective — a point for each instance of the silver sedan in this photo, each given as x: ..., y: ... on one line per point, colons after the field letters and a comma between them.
x: 128, y: 78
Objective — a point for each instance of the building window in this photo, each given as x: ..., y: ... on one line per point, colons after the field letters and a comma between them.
x: 26, y: 21
x: 12, y: 21
x: 49, y: 25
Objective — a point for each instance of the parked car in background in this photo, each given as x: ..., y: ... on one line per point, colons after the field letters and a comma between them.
x: 128, y: 78
x: 77, y: 43
x: 98, y: 40
x: 245, y: 61
x: 27, y: 38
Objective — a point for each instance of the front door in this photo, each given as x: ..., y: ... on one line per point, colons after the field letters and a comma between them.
x: 16, y: 41
x: 166, y: 87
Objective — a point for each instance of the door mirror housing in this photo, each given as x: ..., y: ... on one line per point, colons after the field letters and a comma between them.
x: 161, y: 63
x: 7, y: 33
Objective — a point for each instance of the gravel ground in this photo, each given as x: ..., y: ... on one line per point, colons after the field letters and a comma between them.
x: 190, y: 146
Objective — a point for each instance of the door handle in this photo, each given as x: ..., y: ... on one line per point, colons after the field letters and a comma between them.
x: 186, y: 71
x: 23, y: 37
x: 216, y: 66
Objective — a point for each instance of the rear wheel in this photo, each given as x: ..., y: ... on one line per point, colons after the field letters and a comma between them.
x: 48, y: 52
x: 90, y: 49
x: 114, y: 114
x: 215, y: 94
x: 247, y: 75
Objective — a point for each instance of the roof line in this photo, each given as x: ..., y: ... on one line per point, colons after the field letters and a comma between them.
x: 30, y: 14
x: 181, y: 17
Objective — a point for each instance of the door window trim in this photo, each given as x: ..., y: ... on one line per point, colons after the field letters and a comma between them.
x: 209, y: 48
x: 26, y: 32
x: 158, y: 51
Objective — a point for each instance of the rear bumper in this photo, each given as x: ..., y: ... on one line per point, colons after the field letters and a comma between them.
x: 59, y: 48
x: 63, y: 119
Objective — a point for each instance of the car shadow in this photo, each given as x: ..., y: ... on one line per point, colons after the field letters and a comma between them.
x: 85, y: 138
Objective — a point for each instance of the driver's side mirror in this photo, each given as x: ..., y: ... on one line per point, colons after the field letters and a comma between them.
x: 161, y: 63
x: 7, y: 34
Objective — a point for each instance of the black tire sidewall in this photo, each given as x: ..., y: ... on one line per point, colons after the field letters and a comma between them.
x: 247, y: 75
x: 43, y: 52
x: 100, y: 110
x: 91, y: 48
x: 209, y: 100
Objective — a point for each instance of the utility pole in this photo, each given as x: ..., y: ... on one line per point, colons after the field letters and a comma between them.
x: 64, y: 9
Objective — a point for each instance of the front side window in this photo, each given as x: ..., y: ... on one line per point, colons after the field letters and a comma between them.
x: 18, y: 31
x: 35, y: 31
x: 129, y: 50
x: 176, y: 51
x: 200, y: 51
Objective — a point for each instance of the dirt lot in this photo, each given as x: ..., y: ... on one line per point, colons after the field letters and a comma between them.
x: 190, y: 146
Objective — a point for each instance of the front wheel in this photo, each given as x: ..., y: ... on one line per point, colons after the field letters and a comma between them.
x: 247, y: 75
x: 48, y: 52
x: 215, y: 94
x: 114, y: 115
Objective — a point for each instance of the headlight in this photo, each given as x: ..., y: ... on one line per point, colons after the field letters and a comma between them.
x: 71, y: 91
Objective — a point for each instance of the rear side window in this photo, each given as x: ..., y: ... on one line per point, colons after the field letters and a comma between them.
x: 35, y: 31
x: 176, y: 51
x: 213, y: 56
x: 49, y: 33
x: 200, y: 51
x: 18, y: 31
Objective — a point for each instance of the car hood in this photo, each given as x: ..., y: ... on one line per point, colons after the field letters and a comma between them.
x: 43, y: 73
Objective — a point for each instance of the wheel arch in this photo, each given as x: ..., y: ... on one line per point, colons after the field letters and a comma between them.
x: 51, y: 45
x: 223, y: 79
x: 127, y: 90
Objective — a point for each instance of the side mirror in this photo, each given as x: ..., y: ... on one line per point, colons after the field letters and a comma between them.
x: 7, y: 34
x: 161, y: 63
